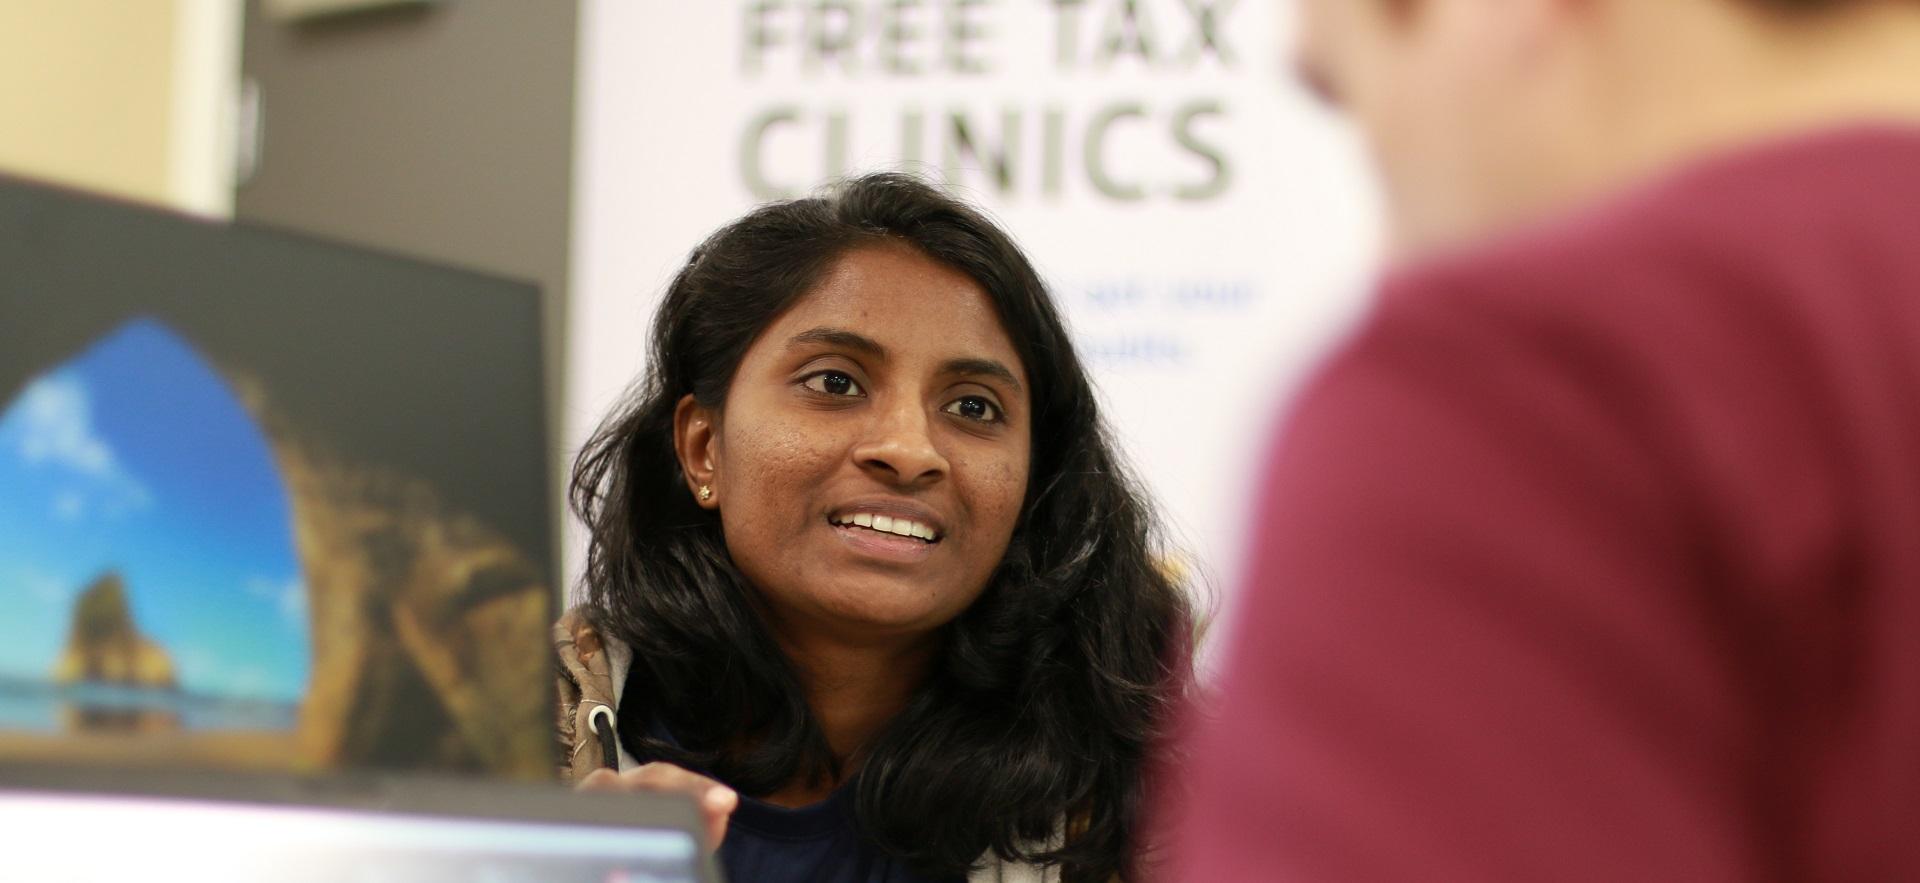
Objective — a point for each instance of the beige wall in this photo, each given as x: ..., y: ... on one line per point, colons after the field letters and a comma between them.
x: 125, y: 97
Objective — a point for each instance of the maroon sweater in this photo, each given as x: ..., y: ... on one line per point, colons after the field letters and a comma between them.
x: 1596, y: 555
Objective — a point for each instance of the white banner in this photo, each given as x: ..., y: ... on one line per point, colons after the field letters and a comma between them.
x: 1206, y: 226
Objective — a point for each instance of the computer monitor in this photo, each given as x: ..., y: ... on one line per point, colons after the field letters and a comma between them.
x: 266, y: 503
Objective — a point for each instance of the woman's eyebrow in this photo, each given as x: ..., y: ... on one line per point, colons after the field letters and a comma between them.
x: 981, y: 368
x: 852, y: 340
x: 841, y: 338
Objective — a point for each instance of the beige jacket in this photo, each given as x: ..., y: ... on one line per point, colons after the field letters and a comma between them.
x: 593, y: 673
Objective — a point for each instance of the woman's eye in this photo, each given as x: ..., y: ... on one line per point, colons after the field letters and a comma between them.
x: 976, y: 408
x: 834, y: 383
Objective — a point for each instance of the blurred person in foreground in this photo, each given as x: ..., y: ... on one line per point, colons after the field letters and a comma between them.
x: 1595, y: 555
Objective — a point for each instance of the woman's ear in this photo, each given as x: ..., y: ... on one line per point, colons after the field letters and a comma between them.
x: 696, y: 442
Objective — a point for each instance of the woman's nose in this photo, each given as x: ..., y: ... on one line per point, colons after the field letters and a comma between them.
x: 899, y: 447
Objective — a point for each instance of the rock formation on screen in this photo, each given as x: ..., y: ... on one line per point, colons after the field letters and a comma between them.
x: 429, y: 628
x: 105, y: 646
x: 429, y: 637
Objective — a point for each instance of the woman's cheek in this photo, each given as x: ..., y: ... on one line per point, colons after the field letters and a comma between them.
x: 773, y: 472
x: 780, y: 456
x: 998, y: 487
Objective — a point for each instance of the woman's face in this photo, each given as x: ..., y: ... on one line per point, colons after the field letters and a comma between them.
x: 871, y: 459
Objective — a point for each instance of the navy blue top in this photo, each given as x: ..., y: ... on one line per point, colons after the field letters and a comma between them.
x: 819, y: 843
x: 812, y: 843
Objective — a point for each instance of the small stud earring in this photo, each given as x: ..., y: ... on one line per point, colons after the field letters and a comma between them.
x: 706, y: 493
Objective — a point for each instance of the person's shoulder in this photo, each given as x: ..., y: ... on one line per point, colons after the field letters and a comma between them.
x: 1726, y: 238
x: 1598, y: 318
x: 585, y: 682
x: 576, y: 639
x: 1698, y: 320
x: 1616, y: 258
x: 584, y: 652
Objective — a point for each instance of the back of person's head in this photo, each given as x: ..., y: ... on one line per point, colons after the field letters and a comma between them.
x: 1488, y: 113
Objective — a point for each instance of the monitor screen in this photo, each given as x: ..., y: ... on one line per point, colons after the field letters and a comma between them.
x: 97, y: 838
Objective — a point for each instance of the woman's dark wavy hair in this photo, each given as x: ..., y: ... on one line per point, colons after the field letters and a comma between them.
x: 1053, y: 687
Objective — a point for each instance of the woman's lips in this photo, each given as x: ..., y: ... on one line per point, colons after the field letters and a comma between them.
x: 917, y: 526
x: 871, y: 543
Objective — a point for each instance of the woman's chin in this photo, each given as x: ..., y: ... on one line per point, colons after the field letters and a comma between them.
x: 879, y: 608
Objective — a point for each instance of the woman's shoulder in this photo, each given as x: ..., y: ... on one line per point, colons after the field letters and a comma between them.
x: 993, y: 869
x: 577, y: 641
x: 586, y: 684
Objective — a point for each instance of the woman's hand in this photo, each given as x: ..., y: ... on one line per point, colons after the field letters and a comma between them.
x: 716, y: 801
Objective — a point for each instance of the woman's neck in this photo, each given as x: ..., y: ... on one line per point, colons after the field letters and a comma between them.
x: 854, y: 690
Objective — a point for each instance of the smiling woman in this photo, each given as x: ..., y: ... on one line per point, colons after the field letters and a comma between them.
x: 862, y: 551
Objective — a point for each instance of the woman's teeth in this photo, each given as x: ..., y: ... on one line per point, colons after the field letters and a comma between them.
x: 904, y: 527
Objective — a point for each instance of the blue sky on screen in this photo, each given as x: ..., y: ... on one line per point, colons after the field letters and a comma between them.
x: 136, y: 457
